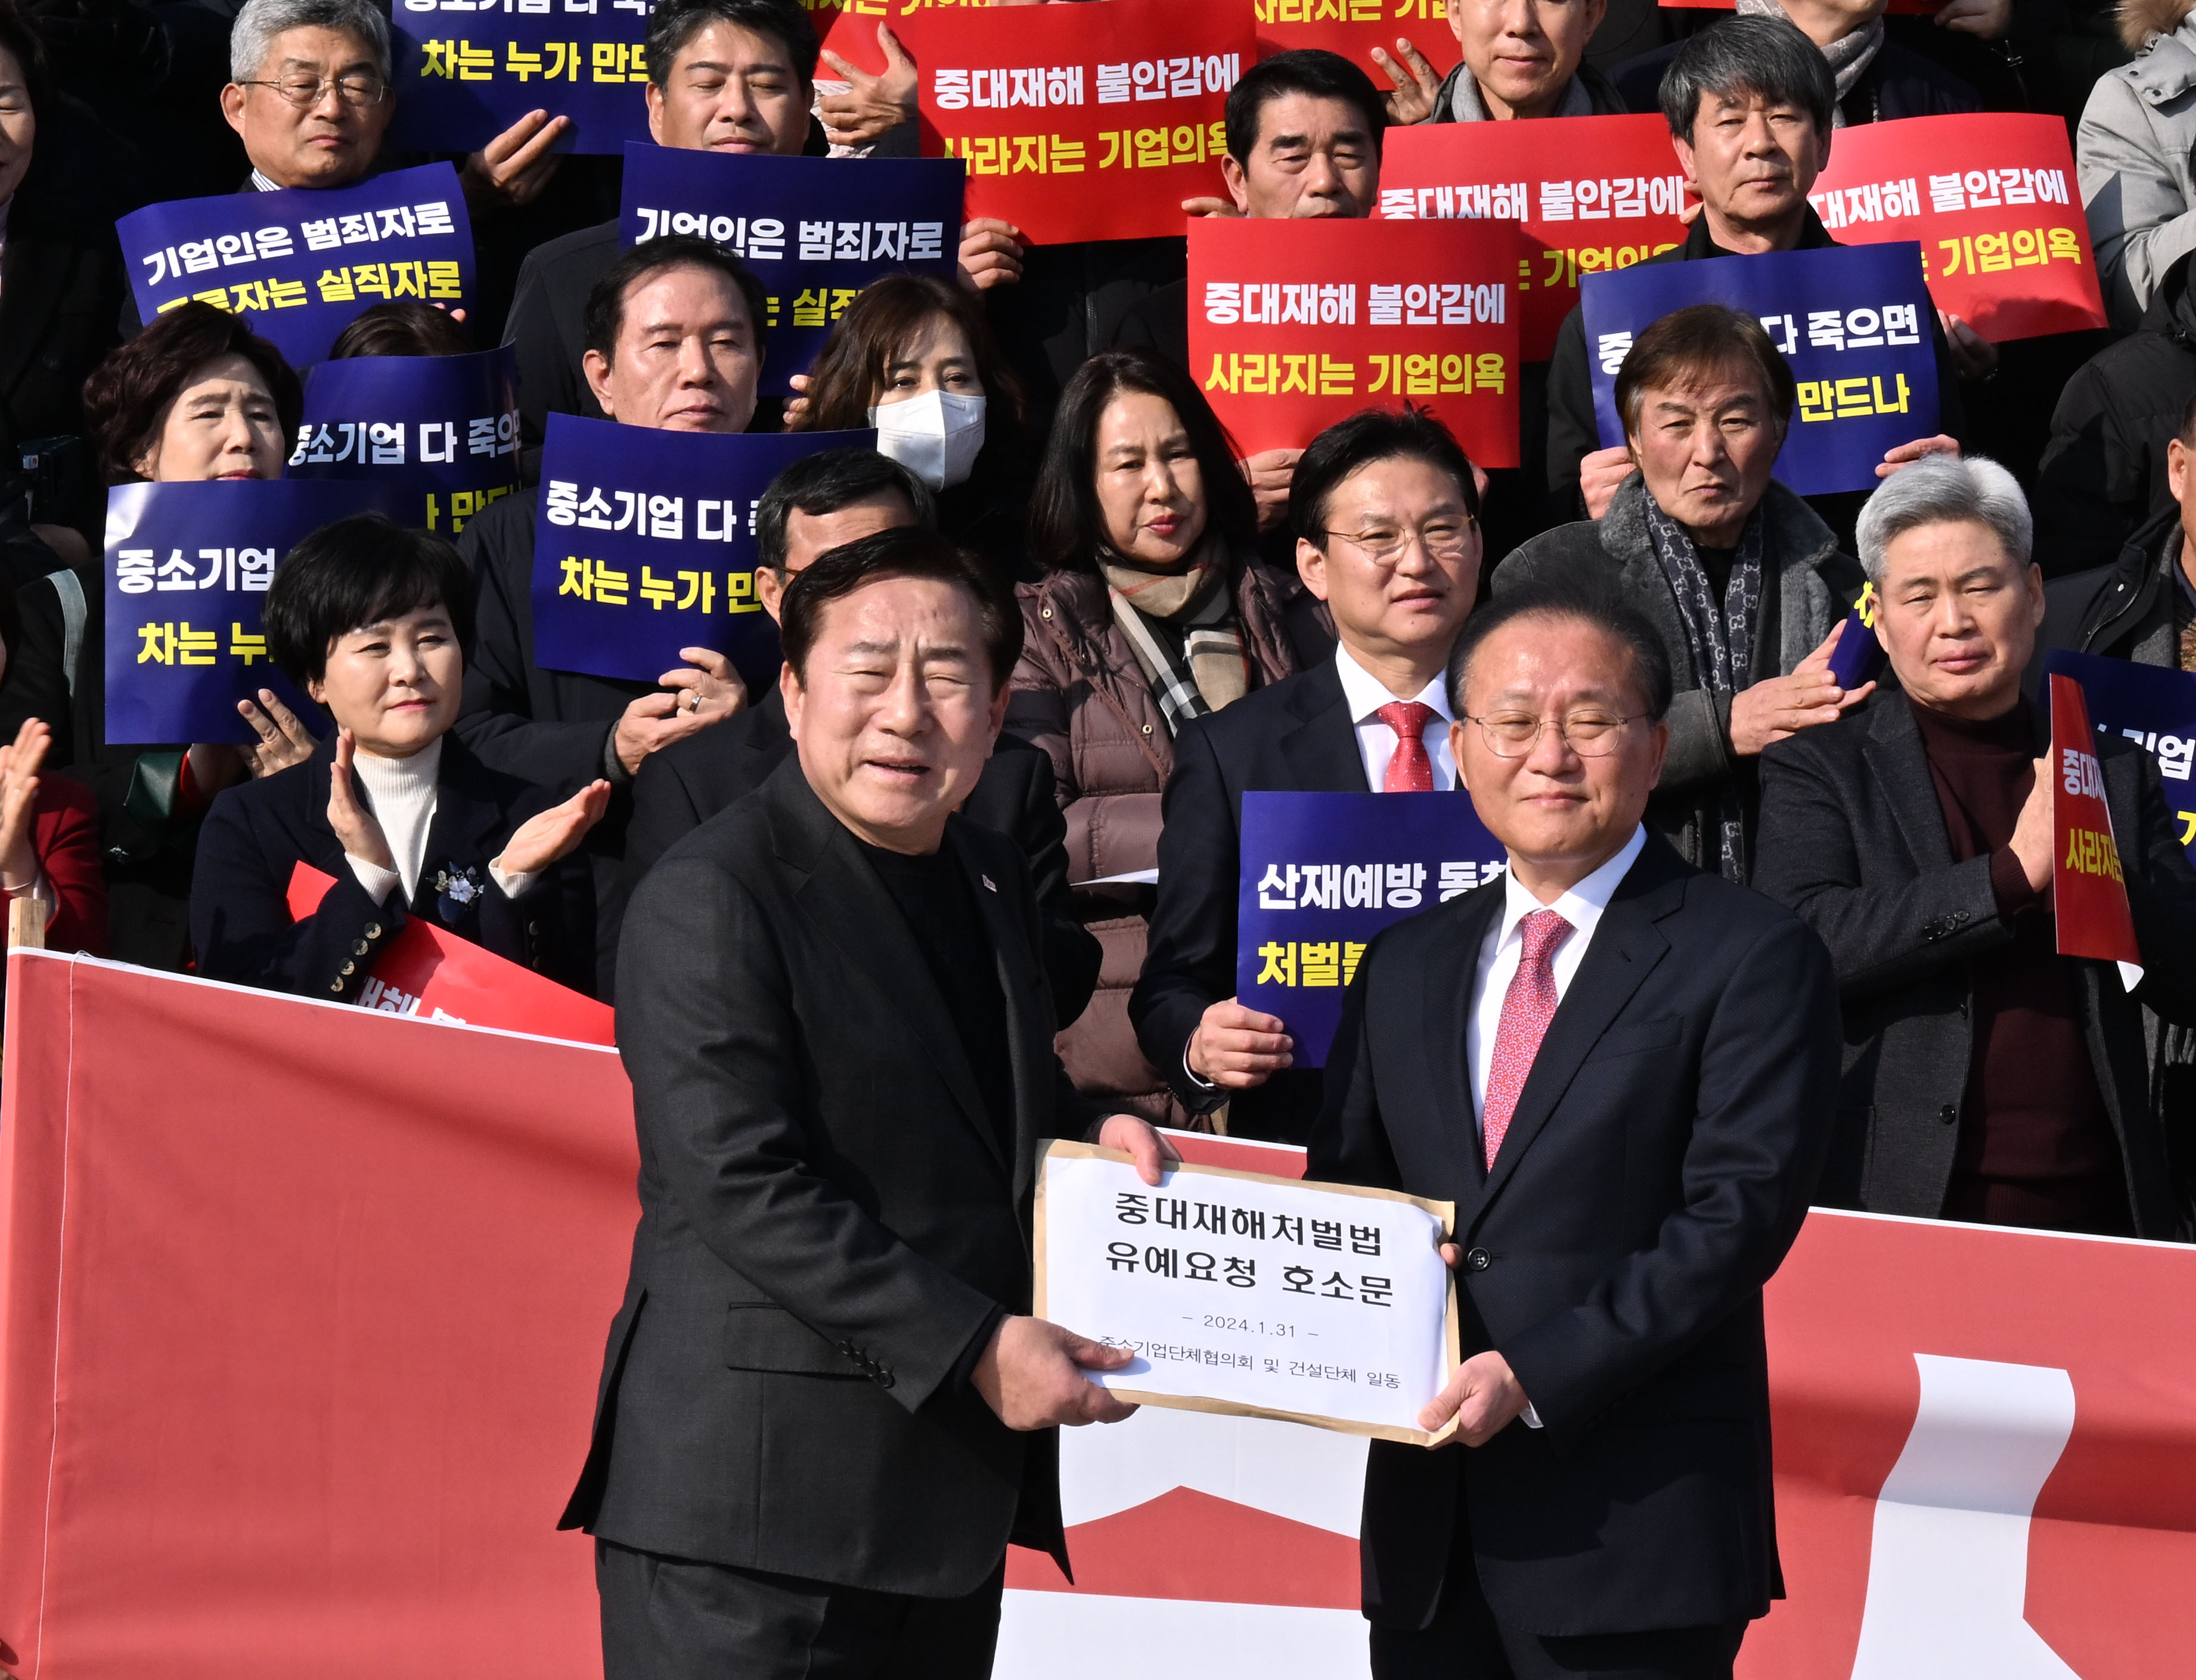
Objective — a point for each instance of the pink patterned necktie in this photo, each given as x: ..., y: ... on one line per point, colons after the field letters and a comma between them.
x: 1526, y: 1008
x: 1409, y: 770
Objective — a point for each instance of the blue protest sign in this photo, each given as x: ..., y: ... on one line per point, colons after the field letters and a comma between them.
x: 1854, y: 322
x: 466, y: 70
x: 814, y: 230
x: 1323, y: 872
x: 442, y: 429
x: 299, y: 264
x: 188, y: 568
x: 644, y: 543
x: 2154, y: 706
x: 1859, y: 657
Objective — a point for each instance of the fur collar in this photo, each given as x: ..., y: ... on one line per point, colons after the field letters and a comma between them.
x: 2140, y: 20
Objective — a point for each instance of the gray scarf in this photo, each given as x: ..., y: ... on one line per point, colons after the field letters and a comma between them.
x: 1720, y: 636
x: 1459, y: 100
x: 1850, y: 57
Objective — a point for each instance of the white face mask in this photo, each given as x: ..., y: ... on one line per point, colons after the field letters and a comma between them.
x: 935, y: 436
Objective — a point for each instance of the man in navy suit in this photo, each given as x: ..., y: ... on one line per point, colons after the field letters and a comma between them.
x: 1386, y: 513
x: 1622, y: 1070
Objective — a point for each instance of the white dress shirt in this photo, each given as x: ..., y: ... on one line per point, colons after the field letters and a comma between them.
x: 1365, y: 694
x: 1580, y: 906
x: 1499, y: 953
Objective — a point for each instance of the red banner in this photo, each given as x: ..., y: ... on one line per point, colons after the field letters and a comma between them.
x: 302, y: 1311
x: 1083, y: 122
x: 1593, y: 194
x: 1993, y: 199
x: 1295, y: 325
x: 1354, y: 27
x: 303, y: 1308
x: 435, y: 976
x: 2089, y: 892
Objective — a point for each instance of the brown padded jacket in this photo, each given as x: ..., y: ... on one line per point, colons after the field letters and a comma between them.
x: 1079, y: 694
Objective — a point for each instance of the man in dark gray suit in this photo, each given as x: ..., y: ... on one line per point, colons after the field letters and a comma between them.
x: 1986, y: 1077
x: 824, y: 1408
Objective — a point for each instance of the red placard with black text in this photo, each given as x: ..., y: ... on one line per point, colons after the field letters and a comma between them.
x: 1083, y: 122
x: 1591, y: 192
x: 437, y: 976
x: 1994, y: 201
x: 1353, y: 28
x: 2088, y: 890
x: 1295, y: 325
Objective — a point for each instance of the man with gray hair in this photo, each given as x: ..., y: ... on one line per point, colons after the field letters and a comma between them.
x: 309, y: 95
x: 1750, y: 103
x: 1987, y: 1078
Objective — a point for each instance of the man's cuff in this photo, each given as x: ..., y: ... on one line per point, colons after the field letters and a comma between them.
x: 614, y: 770
x: 1532, y: 1417
x: 964, y: 1368
x: 512, y: 884
x: 1189, y: 1074
x: 2009, y: 885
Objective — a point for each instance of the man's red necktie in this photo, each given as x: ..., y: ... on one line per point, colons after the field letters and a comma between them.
x: 1409, y: 770
x: 1526, y: 1008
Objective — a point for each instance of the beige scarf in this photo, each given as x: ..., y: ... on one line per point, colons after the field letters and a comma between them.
x: 1197, y: 602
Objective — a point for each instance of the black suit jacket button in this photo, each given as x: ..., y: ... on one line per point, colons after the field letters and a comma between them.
x: 335, y: 986
x: 348, y: 968
x: 359, y: 948
x: 1948, y: 1114
x: 1477, y: 1259
x: 884, y: 1379
x: 1959, y: 918
x: 374, y: 930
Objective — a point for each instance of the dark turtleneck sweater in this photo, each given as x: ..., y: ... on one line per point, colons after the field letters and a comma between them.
x: 2035, y: 1147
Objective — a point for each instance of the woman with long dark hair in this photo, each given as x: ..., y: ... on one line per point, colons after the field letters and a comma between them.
x: 1154, y: 608
x: 914, y: 357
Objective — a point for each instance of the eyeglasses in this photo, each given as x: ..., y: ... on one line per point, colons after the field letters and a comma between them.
x: 1512, y: 735
x: 355, y: 91
x: 1387, y: 548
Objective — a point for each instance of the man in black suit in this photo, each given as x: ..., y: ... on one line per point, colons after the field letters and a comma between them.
x: 812, y: 507
x: 1620, y: 1070
x: 1386, y: 518
x: 824, y: 1409
x: 1986, y: 1076
x: 673, y: 345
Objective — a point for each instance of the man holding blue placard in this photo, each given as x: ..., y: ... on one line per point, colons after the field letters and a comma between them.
x: 1750, y: 105
x: 310, y: 96
x: 672, y: 344
x: 1387, y: 522
x: 1746, y: 587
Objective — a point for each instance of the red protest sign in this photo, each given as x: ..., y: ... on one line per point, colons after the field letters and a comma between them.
x: 1354, y: 27
x: 1593, y: 194
x: 1294, y: 325
x: 2088, y: 891
x: 438, y: 976
x: 1992, y: 199
x: 1083, y: 122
